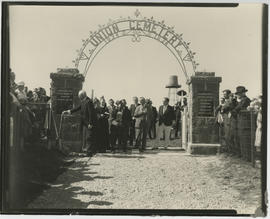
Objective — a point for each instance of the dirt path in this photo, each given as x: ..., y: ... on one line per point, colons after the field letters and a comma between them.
x: 152, y: 180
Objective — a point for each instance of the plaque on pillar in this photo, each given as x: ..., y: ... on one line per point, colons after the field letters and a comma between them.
x: 65, y: 85
x: 204, y: 98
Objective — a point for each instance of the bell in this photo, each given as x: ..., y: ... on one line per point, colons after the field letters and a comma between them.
x: 173, y: 82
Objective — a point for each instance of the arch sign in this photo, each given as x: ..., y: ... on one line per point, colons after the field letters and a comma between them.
x: 136, y: 27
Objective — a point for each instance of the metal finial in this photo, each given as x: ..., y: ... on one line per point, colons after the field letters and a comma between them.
x: 137, y: 13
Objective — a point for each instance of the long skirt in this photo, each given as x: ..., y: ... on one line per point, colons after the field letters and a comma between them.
x: 103, y: 139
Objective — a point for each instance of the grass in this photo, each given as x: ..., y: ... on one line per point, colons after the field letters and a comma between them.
x: 31, y: 171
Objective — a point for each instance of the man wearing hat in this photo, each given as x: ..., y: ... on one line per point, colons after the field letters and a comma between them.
x: 223, y: 114
x: 20, y: 92
x: 242, y: 100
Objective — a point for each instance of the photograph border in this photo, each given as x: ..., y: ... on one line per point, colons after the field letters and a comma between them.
x: 5, y: 114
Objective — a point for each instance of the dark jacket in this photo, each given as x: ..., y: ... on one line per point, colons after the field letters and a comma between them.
x: 166, y: 117
x: 227, y: 107
x: 132, y: 109
x: 242, y: 105
x: 126, y: 117
x: 155, y: 114
x: 177, y: 112
x: 88, y: 112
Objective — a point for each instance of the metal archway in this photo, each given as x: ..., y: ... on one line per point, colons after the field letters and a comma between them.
x: 136, y: 27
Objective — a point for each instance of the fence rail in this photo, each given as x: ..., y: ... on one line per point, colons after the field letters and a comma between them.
x: 28, y: 123
x: 238, y: 135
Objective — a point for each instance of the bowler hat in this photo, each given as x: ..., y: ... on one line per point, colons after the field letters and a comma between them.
x: 240, y: 89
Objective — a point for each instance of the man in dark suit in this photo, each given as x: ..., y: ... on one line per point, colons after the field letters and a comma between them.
x: 152, y: 131
x: 132, y: 125
x: 242, y: 100
x: 166, y: 119
x: 88, y: 122
x: 177, y: 112
x: 124, y: 124
x: 112, y: 128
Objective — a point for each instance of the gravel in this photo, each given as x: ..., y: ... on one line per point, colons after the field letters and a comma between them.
x: 155, y: 180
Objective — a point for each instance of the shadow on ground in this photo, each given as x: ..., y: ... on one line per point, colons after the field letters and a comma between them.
x: 67, y: 189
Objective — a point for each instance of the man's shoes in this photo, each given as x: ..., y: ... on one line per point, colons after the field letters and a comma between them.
x: 154, y: 148
x: 89, y: 154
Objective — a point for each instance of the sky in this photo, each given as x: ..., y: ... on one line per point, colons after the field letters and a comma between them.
x: 227, y: 41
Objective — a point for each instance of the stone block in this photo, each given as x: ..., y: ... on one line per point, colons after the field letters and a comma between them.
x: 203, y: 149
x: 71, y: 138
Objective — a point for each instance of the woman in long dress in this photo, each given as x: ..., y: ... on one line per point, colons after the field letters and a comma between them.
x: 102, y: 125
x: 258, y: 135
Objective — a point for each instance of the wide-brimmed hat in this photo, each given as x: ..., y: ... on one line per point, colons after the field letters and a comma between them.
x: 240, y: 89
x: 20, y: 83
x: 181, y: 93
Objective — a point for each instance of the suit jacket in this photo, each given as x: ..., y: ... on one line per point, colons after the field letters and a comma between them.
x: 149, y: 116
x: 112, y: 112
x: 132, y: 109
x: 126, y: 117
x: 140, y: 116
x: 87, y: 111
x: 177, y: 112
x: 155, y: 114
x: 166, y: 117
x: 227, y: 107
x: 243, y: 104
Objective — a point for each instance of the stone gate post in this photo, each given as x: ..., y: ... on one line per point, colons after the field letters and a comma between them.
x: 65, y: 85
x: 203, y: 133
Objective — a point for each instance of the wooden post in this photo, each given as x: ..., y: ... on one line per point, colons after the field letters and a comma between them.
x: 92, y: 94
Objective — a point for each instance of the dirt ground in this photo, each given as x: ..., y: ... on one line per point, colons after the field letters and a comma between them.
x: 159, y: 179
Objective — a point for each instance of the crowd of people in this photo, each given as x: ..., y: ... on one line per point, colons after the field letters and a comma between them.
x: 24, y: 118
x: 227, y: 114
x: 115, y: 125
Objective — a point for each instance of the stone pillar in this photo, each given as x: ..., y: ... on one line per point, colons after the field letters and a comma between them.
x: 65, y: 85
x: 203, y: 100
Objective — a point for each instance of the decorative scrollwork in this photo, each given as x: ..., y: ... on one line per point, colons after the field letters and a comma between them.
x: 136, y: 28
x: 136, y: 37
